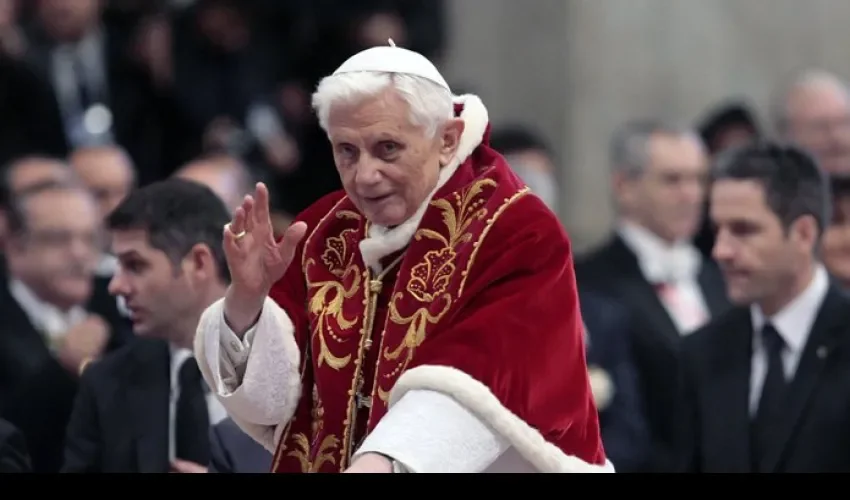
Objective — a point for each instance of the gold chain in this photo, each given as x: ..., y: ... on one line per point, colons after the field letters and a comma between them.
x: 376, y: 285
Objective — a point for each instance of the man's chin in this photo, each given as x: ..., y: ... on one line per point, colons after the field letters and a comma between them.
x: 141, y: 329
x: 740, y: 297
x: 384, y: 218
x: 76, y: 293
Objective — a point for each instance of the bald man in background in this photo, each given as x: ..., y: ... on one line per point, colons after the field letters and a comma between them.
x: 109, y: 174
x: 228, y: 177
x: 813, y: 111
x: 231, y: 180
x: 107, y: 171
x: 28, y: 171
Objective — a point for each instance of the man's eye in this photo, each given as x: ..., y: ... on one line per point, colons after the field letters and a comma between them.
x: 389, y: 148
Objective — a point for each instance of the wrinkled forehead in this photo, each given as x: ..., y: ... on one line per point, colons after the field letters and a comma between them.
x: 31, y: 172
x: 677, y: 154
x: 822, y: 100
x: 102, y: 166
x: 386, y: 114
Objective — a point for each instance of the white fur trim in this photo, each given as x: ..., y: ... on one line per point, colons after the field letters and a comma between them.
x: 383, y: 241
x: 478, y: 399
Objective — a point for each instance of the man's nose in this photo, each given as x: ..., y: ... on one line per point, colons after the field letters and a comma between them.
x: 368, y: 172
x: 693, y: 190
x: 117, y: 285
x: 722, y: 250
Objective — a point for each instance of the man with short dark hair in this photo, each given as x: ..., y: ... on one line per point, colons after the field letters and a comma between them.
x: 765, y: 386
x: 167, y: 238
x: 530, y: 157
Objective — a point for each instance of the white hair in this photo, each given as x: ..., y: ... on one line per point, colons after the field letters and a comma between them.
x: 812, y: 79
x: 430, y: 104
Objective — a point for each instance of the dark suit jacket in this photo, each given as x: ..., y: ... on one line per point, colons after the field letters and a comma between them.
x: 713, y: 422
x: 614, y: 270
x: 120, y: 417
x: 20, y: 110
x: 625, y: 433
x: 233, y: 451
x: 14, y: 456
x: 145, y: 123
x: 36, y: 391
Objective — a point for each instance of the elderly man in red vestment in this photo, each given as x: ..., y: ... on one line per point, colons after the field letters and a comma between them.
x: 424, y: 319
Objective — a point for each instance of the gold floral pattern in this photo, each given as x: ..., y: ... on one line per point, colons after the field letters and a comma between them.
x: 327, y: 297
x: 325, y: 453
x: 430, y: 280
x: 318, y: 412
x: 428, y: 287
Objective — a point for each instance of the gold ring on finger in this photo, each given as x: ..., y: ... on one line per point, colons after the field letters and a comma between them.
x: 236, y: 236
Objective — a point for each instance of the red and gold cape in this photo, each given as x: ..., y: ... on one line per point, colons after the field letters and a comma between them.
x: 480, y: 305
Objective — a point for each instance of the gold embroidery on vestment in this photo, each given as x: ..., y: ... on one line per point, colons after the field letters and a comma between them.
x: 306, y: 350
x: 355, y: 394
x: 492, y: 220
x: 430, y: 279
x: 327, y: 297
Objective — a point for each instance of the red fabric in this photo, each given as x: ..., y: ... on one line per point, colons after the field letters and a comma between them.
x: 517, y: 326
x: 507, y: 307
x: 520, y: 333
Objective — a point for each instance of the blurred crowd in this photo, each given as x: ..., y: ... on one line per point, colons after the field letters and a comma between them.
x: 98, y: 97
x: 172, y: 80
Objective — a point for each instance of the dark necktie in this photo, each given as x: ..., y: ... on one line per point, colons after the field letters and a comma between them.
x: 84, y: 96
x: 770, y: 408
x: 192, y: 420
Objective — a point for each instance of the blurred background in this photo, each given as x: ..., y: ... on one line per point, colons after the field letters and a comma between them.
x: 181, y: 73
x: 127, y: 92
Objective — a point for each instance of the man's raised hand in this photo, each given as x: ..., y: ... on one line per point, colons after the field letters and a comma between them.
x: 256, y: 261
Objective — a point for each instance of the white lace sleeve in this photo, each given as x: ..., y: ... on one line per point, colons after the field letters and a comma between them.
x: 257, y: 379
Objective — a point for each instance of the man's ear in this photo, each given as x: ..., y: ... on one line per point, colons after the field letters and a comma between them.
x: 450, y: 140
x: 620, y: 186
x: 200, y: 262
x: 805, y: 231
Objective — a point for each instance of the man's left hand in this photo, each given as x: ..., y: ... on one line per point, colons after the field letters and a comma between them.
x: 186, y: 467
x: 371, y: 463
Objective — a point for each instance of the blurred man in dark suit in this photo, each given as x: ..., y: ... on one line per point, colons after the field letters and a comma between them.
x: 233, y: 451
x: 649, y: 264
x: 50, y: 323
x: 14, y: 456
x: 89, y: 92
x: 614, y: 381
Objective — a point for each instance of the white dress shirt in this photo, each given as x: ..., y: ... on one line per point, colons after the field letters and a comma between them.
x: 676, y: 266
x: 81, y: 127
x: 794, y: 324
x: 216, y: 410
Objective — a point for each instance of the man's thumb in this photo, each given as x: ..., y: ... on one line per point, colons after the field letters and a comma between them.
x: 291, y: 238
